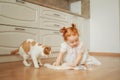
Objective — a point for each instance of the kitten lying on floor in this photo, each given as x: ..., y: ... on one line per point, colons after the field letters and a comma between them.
x: 30, y: 48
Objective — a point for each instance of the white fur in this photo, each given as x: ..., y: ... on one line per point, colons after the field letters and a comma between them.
x: 34, y: 54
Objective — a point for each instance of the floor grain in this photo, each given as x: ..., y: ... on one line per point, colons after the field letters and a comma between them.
x: 109, y: 70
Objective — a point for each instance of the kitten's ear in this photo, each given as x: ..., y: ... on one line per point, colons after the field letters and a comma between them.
x: 48, y: 48
x: 63, y: 30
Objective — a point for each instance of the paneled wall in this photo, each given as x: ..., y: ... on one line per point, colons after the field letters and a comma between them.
x: 105, y: 26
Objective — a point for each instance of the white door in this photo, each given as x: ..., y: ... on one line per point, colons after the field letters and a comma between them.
x: 53, y: 14
x: 51, y: 24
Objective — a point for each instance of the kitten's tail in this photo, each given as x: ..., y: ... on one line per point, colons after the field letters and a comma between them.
x: 14, y: 52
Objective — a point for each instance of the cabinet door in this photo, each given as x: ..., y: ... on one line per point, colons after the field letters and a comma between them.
x: 13, y: 12
x: 51, y: 38
x: 12, y: 37
x: 51, y: 24
x: 53, y: 14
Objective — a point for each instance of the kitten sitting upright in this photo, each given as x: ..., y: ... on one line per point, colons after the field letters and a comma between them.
x: 30, y: 48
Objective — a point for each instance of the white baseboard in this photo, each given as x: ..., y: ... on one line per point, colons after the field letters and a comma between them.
x: 10, y: 58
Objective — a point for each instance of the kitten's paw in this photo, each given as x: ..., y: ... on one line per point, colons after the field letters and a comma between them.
x: 36, y: 66
x: 41, y: 64
x: 30, y: 64
x: 26, y: 64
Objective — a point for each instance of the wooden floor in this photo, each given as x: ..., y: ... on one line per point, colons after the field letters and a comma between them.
x: 109, y: 70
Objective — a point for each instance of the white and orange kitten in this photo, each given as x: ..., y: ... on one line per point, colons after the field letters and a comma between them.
x: 31, y: 49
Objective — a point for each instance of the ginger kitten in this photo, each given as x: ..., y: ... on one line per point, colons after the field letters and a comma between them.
x: 31, y: 49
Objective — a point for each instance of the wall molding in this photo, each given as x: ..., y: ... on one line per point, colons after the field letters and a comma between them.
x: 109, y: 54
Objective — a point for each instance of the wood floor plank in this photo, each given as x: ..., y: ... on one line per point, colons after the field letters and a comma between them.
x: 109, y: 70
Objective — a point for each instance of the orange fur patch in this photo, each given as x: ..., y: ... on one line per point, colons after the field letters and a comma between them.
x: 14, y: 51
x: 26, y: 46
x: 33, y: 43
